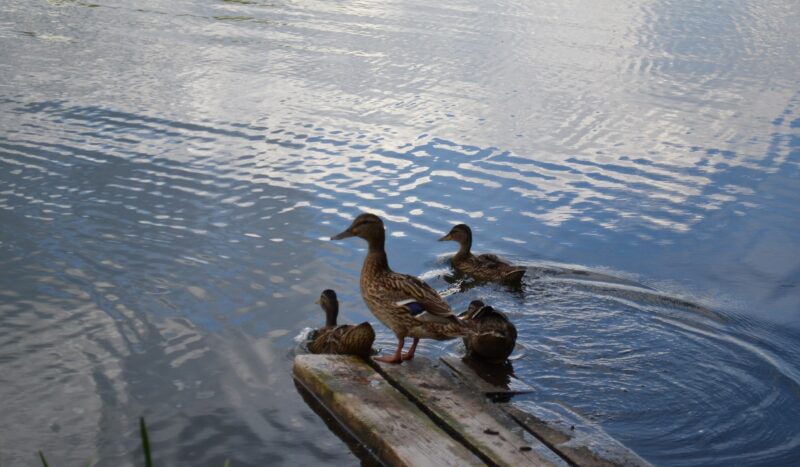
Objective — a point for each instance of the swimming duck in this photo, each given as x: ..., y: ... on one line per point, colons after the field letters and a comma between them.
x: 343, y: 339
x: 405, y: 304
x: 485, y: 267
x: 495, y: 336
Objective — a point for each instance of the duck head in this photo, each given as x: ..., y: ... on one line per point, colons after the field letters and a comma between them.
x: 472, y: 309
x: 330, y: 305
x: 461, y: 234
x: 367, y: 226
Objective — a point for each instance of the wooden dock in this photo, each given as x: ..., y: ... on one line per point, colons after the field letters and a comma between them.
x: 445, y: 413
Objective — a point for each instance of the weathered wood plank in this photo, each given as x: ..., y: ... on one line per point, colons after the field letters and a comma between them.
x: 377, y: 414
x: 490, y: 379
x: 470, y: 418
x: 572, y: 436
x: 575, y: 438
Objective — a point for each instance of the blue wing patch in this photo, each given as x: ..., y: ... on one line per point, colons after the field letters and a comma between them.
x: 415, y: 308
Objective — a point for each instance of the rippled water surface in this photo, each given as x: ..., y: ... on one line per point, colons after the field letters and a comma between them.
x: 170, y: 172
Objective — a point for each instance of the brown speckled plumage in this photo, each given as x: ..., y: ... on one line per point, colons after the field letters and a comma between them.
x: 388, y: 294
x: 342, y: 339
x: 485, y: 267
x: 495, y: 335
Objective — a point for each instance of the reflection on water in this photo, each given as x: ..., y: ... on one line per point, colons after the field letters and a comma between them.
x: 169, y: 172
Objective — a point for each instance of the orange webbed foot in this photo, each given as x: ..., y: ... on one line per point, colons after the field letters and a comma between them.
x: 388, y: 359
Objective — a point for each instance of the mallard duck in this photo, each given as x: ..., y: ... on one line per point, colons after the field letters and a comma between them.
x: 485, y: 267
x: 344, y: 339
x: 405, y: 304
x: 495, y: 336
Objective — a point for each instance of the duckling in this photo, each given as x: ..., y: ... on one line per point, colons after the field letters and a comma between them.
x: 405, y: 304
x: 495, y: 336
x: 485, y: 267
x: 343, y: 339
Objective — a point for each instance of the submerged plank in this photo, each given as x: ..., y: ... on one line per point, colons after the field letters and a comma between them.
x: 575, y: 438
x: 489, y: 432
x: 490, y: 379
x: 377, y: 414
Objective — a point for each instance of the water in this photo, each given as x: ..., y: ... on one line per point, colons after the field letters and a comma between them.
x: 170, y: 171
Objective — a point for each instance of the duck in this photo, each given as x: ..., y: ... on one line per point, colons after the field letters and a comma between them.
x: 403, y: 303
x: 495, y: 335
x: 343, y: 339
x: 485, y: 267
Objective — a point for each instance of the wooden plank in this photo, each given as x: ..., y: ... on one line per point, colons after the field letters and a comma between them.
x: 469, y: 417
x: 392, y: 427
x: 572, y: 436
x: 490, y: 379
x: 358, y: 448
x: 575, y: 438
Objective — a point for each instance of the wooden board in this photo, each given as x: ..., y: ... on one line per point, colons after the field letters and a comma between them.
x: 470, y: 418
x: 490, y: 379
x: 396, y: 431
x: 575, y: 438
x: 564, y: 431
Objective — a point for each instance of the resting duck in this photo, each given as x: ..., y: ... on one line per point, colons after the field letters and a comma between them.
x: 495, y: 336
x: 344, y: 339
x: 486, y: 267
x: 405, y: 304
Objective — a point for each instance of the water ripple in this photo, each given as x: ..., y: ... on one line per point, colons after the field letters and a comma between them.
x: 165, y: 207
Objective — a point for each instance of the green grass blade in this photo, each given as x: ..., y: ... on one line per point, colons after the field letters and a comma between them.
x: 44, y: 461
x: 148, y: 460
x: 227, y: 463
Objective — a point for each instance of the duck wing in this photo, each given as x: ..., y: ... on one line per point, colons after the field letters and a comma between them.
x: 490, y: 258
x: 417, y: 296
x: 357, y: 340
x: 492, y: 265
x: 324, y: 340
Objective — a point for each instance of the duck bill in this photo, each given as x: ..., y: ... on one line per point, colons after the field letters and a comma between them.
x: 446, y: 238
x: 346, y: 234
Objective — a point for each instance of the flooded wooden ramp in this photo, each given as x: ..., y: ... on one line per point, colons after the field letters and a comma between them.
x: 438, y: 413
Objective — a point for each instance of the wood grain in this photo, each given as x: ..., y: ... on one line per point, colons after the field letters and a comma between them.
x: 391, y: 426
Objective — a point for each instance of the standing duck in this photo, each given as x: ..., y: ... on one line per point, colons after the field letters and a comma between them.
x: 405, y: 304
x: 485, y: 267
x: 495, y: 336
x: 343, y: 339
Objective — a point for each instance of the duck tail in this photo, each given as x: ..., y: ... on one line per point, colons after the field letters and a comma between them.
x: 360, y: 339
x: 514, y: 275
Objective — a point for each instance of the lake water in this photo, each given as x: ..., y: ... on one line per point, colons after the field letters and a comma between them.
x: 170, y: 172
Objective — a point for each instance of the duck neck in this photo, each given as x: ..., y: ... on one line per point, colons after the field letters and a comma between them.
x: 376, y: 256
x: 464, y: 248
x: 331, y: 313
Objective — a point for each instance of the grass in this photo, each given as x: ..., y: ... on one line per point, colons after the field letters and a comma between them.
x: 148, y: 456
